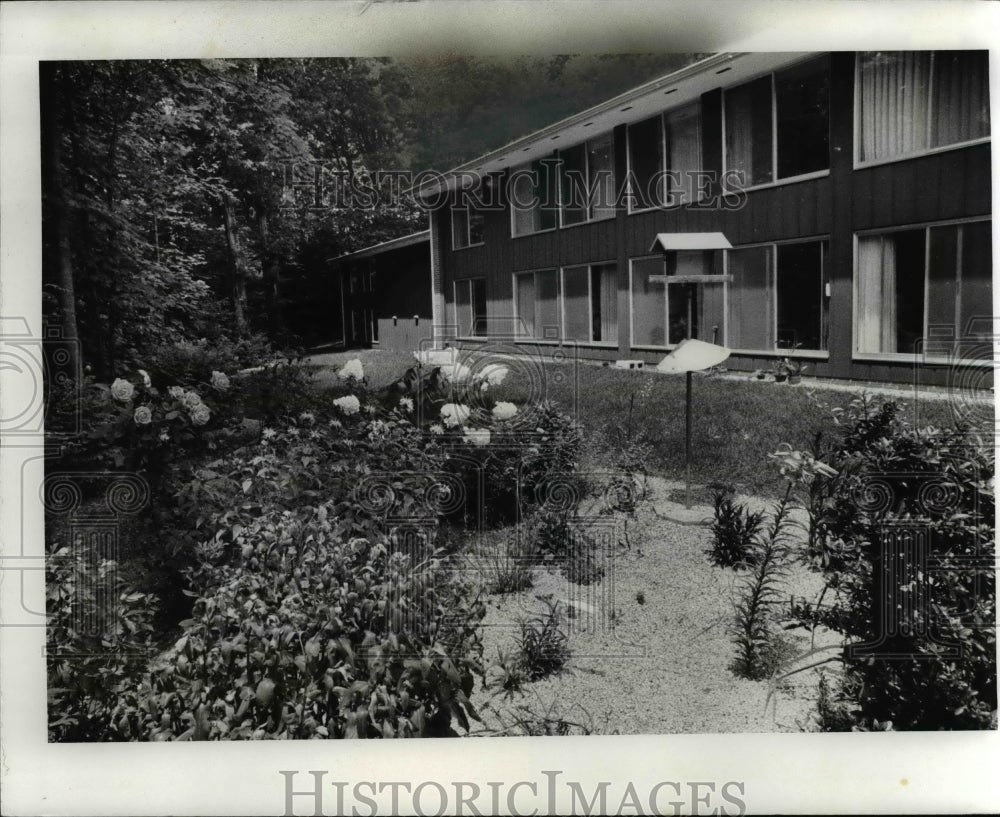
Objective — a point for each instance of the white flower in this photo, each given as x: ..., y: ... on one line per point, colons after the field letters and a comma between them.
x: 145, y: 378
x: 307, y: 418
x: 493, y: 374
x: 200, y: 414
x: 437, y: 357
x: 349, y: 404
x: 268, y: 433
x: 456, y: 373
x: 477, y: 436
x: 220, y: 381
x: 143, y: 416
x: 164, y: 435
x: 176, y: 392
x: 436, y: 428
x: 454, y: 414
x: 191, y: 399
x: 352, y: 370
x: 504, y: 411
x: 406, y: 404
x: 122, y: 390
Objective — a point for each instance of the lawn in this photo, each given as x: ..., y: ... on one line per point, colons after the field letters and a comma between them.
x: 737, y: 422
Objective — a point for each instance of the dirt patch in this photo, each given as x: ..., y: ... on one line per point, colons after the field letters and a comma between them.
x: 651, y: 643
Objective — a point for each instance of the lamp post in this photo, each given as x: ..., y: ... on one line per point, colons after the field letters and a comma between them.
x: 690, y: 356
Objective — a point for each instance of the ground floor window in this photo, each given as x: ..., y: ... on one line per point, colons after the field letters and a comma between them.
x: 927, y: 282
x: 778, y: 297
x: 590, y: 303
x: 665, y: 313
x: 536, y: 298
x: 470, y: 307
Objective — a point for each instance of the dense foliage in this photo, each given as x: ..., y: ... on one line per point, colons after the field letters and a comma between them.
x: 901, y: 527
x: 323, y: 601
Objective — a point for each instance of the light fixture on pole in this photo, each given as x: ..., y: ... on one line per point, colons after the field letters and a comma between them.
x: 691, y: 356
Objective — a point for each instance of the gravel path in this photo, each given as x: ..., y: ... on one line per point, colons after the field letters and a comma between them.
x: 651, y: 644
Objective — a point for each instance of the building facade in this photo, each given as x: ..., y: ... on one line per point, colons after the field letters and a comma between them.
x: 834, y: 207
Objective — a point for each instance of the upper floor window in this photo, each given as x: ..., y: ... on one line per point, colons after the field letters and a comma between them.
x: 913, y: 101
x: 468, y: 227
x: 778, y: 126
x: 587, y: 186
x: 534, y: 196
x: 664, y: 158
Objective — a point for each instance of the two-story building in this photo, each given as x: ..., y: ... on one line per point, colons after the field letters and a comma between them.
x: 834, y: 207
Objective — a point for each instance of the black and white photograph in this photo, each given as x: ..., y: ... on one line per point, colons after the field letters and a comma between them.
x: 616, y: 402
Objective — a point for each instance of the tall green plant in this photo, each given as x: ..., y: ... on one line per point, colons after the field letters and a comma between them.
x: 928, y: 611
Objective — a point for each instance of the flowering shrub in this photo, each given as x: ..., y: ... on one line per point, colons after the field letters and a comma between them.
x: 352, y: 371
x: 138, y: 427
x: 348, y: 404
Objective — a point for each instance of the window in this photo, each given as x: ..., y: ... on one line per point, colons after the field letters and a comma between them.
x: 536, y: 295
x: 913, y: 101
x: 534, y: 198
x: 778, y: 297
x: 664, y: 313
x: 470, y: 307
x: 467, y: 228
x: 683, y: 144
x: 590, y: 303
x: 664, y: 156
x: 587, y: 181
x: 778, y: 126
x: 909, y: 284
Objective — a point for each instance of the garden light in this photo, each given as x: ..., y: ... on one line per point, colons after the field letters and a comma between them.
x: 691, y: 355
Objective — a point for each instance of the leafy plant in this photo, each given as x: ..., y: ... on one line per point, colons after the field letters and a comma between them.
x: 734, y: 529
x: 98, y: 642
x: 543, y: 645
x: 760, y: 649
x: 876, y: 476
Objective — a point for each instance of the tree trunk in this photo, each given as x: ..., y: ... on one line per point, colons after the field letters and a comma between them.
x: 271, y: 269
x: 61, y: 257
x: 237, y: 274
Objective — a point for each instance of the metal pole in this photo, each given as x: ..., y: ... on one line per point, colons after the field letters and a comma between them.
x: 687, y: 421
x: 687, y: 447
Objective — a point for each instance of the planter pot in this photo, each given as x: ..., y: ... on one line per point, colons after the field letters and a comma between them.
x: 794, y: 378
x: 761, y: 376
x: 779, y: 378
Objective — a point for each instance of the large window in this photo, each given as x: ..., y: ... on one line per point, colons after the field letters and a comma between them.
x: 778, y: 126
x: 590, y: 303
x: 910, y: 284
x: 913, y: 101
x: 467, y: 228
x: 470, y: 307
x: 534, y: 196
x: 778, y: 297
x: 536, y: 296
x: 664, y: 158
x: 587, y: 181
x: 664, y: 313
